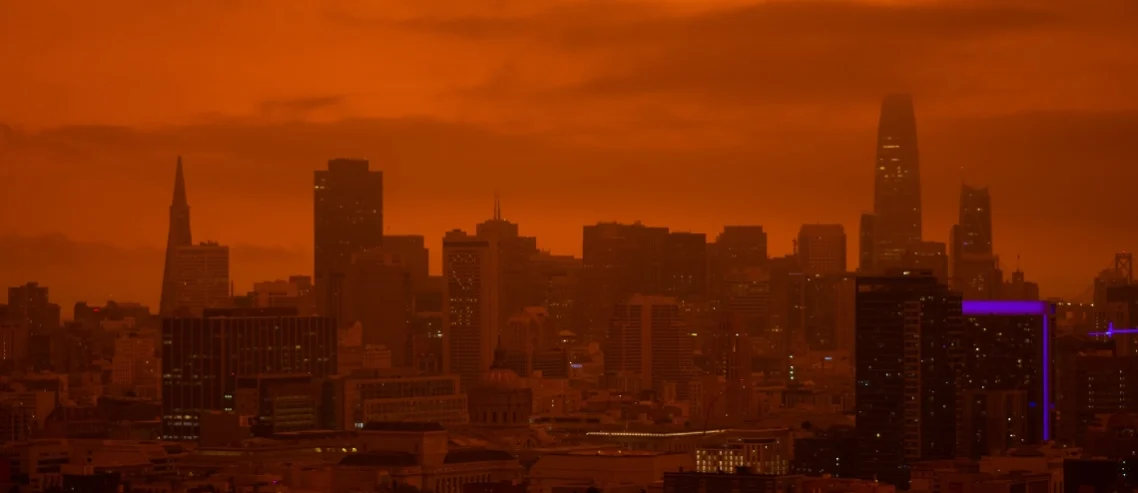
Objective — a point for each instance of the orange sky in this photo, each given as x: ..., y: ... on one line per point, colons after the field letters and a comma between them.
x: 684, y: 113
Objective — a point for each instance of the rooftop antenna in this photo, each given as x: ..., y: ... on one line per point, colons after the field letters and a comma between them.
x: 497, y: 208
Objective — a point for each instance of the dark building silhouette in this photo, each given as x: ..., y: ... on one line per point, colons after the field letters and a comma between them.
x: 413, y: 254
x: 619, y: 260
x: 348, y: 215
x: 822, y: 249
x: 928, y: 255
x: 832, y: 451
x: 203, y: 357
x: 685, y: 266
x: 975, y: 272
x: 515, y: 264
x: 736, y: 250
x: 378, y: 294
x: 897, y: 184
x: 1009, y: 349
x: 908, y: 329
x: 866, y: 248
x: 178, y: 236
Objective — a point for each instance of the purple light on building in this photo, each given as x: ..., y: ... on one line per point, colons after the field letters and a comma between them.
x: 1110, y: 331
x: 1043, y: 309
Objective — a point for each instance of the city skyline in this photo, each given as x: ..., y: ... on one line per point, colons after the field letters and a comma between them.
x: 773, y: 142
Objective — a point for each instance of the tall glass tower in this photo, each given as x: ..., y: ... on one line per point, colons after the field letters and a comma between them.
x: 897, y: 184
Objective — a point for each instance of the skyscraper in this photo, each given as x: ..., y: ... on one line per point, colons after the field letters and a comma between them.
x: 908, y: 331
x: 198, y: 278
x: 822, y: 249
x: 974, y: 265
x: 378, y: 294
x: 195, y: 277
x: 470, y: 305
x: 866, y: 253
x: 177, y: 237
x: 348, y: 215
x: 619, y: 260
x: 736, y: 250
x: 515, y: 254
x: 648, y: 339
x: 897, y: 184
x: 685, y: 266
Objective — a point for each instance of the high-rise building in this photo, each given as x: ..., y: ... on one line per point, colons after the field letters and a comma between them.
x: 203, y: 357
x: 30, y: 307
x: 470, y: 305
x: 195, y: 277
x: 198, y: 278
x: 927, y: 255
x: 897, y: 184
x: 866, y: 253
x: 515, y: 254
x: 648, y: 339
x: 378, y: 295
x: 1093, y: 385
x: 558, y: 279
x: 736, y: 250
x: 908, y: 329
x: 822, y: 249
x: 135, y: 361
x: 619, y: 260
x: 1009, y: 349
x: 828, y: 312
x: 177, y: 237
x: 685, y: 266
x: 974, y: 265
x: 413, y: 254
x: 348, y: 214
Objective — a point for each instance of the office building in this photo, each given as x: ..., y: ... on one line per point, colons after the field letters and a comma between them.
x: 648, y: 339
x: 907, y: 350
x: 515, y: 254
x: 203, y: 357
x: 135, y: 361
x: 866, y: 248
x: 198, y: 278
x: 975, y: 271
x: 1009, y: 348
x: 619, y: 260
x: 684, y: 272
x: 378, y: 294
x: 929, y: 256
x: 399, y: 395
x: 822, y: 249
x: 470, y: 305
x: 30, y: 307
x: 828, y: 311
x: 737, y: 249
x: 1094, y: 385
x: 413, y: 254
x: 348, y: 215
x: 993, y: 422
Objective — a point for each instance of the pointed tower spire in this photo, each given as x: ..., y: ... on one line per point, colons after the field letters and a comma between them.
x: 177, y: 236
x: 497, y: 208
x: 179, y: 187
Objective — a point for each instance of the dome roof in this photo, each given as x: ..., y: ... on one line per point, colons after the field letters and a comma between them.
x: 503, y: 378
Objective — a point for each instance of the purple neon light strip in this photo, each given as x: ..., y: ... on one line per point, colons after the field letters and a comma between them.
x: 981, y: 308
